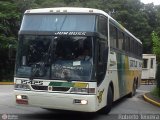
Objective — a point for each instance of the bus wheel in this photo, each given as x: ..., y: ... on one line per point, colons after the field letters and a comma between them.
x: 108, y: 107
x: 133, y: 90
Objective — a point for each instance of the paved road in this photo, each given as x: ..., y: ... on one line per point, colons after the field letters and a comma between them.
x: 133, y: 106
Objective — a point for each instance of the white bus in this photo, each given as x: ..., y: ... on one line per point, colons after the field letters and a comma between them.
x: 149, y: 68
x: 77, y: 59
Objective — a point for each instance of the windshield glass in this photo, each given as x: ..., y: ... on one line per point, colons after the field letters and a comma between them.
x: 55, y: 57
x: 35, y: 22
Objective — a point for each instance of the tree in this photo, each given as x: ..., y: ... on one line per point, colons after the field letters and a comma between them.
x: 156, y: 45
x: 156, y: 50
x: 157, y: 28
x: 9, y: 25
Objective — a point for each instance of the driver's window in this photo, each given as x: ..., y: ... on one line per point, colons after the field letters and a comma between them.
x: 102, y: 56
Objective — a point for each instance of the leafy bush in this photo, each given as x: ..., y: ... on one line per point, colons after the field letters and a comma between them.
x: 158, y: 78
x: 156, y: 92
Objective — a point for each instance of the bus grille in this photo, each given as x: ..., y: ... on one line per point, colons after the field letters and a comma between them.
x: 60, y: 88
x: 37, y: 87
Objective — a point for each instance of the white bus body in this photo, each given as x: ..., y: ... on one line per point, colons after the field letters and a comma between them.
x: 47, y: 76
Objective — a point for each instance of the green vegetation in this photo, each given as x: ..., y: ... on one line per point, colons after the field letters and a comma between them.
x: 138, y: 18
x: 156, y: 92
x: 156, y: 50
x: 156, y: 45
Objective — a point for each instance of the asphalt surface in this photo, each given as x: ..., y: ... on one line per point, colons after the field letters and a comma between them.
x: 133, y: 107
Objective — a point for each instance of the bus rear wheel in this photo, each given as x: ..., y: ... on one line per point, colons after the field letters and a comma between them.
x: 108, y: 107
x: 133, y: 90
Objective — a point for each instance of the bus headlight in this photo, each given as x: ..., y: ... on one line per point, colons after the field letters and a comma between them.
x: 22, y: 87
x: 83, y: 90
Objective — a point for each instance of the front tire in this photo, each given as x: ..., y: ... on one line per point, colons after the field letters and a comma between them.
x: 108, y: 107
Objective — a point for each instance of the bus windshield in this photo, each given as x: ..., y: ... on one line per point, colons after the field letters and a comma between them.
x: 40, y: 22
x: 55, y: 57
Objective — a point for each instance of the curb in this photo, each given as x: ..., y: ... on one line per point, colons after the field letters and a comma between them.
x: 151, y: 101
x: 6, y: 83
x: 147, y: 83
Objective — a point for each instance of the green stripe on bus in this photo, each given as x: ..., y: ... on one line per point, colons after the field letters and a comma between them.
x: 55, y: 84
x: 121, y: 73
x: 60, y: 84
x: 68, y: 84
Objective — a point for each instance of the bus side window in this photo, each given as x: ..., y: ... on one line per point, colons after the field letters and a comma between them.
x: 113, y: 36
x: 124, y: 42
x: 127, y: 47
x: 130, y: 45
x: 103, y: 25
x: 120, y: 39
x: 102, y: 57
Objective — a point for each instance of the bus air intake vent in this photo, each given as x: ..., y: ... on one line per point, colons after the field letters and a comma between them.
x: 37, y: 87
x: 60, y: 88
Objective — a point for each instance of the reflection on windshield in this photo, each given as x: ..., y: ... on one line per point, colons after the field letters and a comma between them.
x: 33, y: 56
x: 40, y: 22
x: 58, y: 57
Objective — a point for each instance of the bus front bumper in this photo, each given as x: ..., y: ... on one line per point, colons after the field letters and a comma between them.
x: 60, y: 101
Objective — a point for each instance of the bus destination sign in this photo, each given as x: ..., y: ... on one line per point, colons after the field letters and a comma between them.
x: 70, y: 33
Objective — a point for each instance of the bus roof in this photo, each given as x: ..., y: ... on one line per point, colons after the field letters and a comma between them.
x: 65, y: 10
x: 77, y: 10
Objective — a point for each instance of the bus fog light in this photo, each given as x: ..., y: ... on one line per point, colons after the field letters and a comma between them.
x: 18, y: 97
x: 24, y: 97
x: 21, y: 99
x: 84, y: 102
x: 77, y: 101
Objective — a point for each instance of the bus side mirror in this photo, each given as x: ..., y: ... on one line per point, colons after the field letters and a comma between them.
x: 12, y: 52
